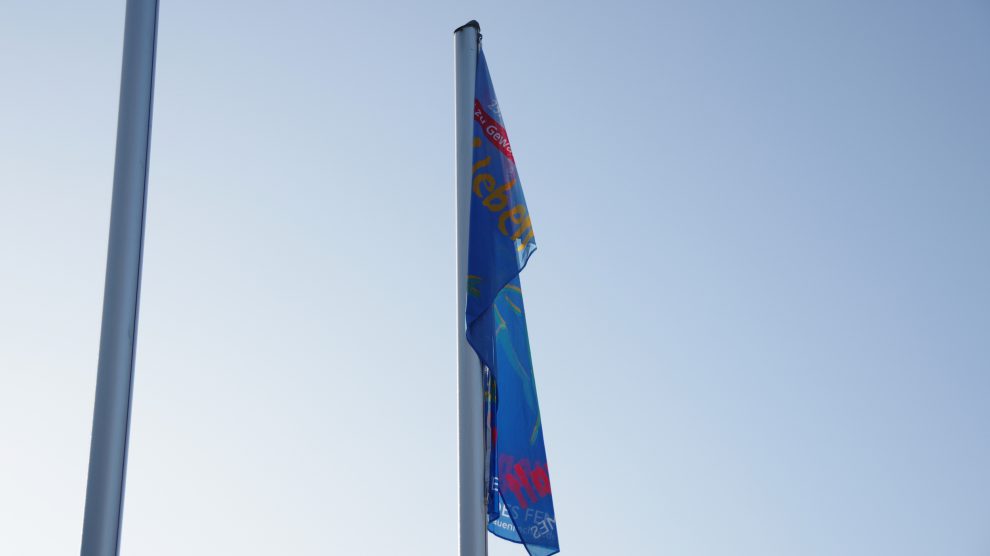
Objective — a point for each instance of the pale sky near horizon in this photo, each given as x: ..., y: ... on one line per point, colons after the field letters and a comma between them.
x: 759, y: 312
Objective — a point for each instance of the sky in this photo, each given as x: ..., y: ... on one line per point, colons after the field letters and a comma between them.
x: 759, y: 313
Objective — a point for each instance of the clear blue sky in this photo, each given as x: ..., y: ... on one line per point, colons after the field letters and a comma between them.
x: 760, y: 311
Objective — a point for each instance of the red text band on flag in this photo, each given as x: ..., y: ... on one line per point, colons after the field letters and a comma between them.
x: 493, y: 130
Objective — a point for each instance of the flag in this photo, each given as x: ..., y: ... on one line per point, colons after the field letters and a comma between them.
x: 518, y: 494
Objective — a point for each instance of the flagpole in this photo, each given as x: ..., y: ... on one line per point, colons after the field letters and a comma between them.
x: 115, y: 370
x: 470, y: 423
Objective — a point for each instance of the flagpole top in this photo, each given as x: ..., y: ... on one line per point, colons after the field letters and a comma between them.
x: 471, y: 23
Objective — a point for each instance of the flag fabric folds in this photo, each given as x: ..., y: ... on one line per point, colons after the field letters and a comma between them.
x: 519, y: 499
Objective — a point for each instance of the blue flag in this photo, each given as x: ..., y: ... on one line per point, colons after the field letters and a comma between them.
x: 520, y: 503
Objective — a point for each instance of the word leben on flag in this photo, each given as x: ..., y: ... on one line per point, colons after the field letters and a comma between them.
x: 501, y: 240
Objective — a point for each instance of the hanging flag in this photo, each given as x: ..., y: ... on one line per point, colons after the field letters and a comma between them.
x: 519, y: 499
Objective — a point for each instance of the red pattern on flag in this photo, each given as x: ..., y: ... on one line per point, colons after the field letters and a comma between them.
x: 493, y: 130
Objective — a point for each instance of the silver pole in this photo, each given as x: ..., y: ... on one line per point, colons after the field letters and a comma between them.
x: 114, y: 378
x: 470, y: 422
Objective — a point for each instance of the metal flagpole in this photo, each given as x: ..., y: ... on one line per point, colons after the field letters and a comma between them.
x: 112, y: 409
x: 470, y: 423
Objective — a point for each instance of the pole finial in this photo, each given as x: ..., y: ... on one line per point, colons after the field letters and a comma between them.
x: 472, y: 23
